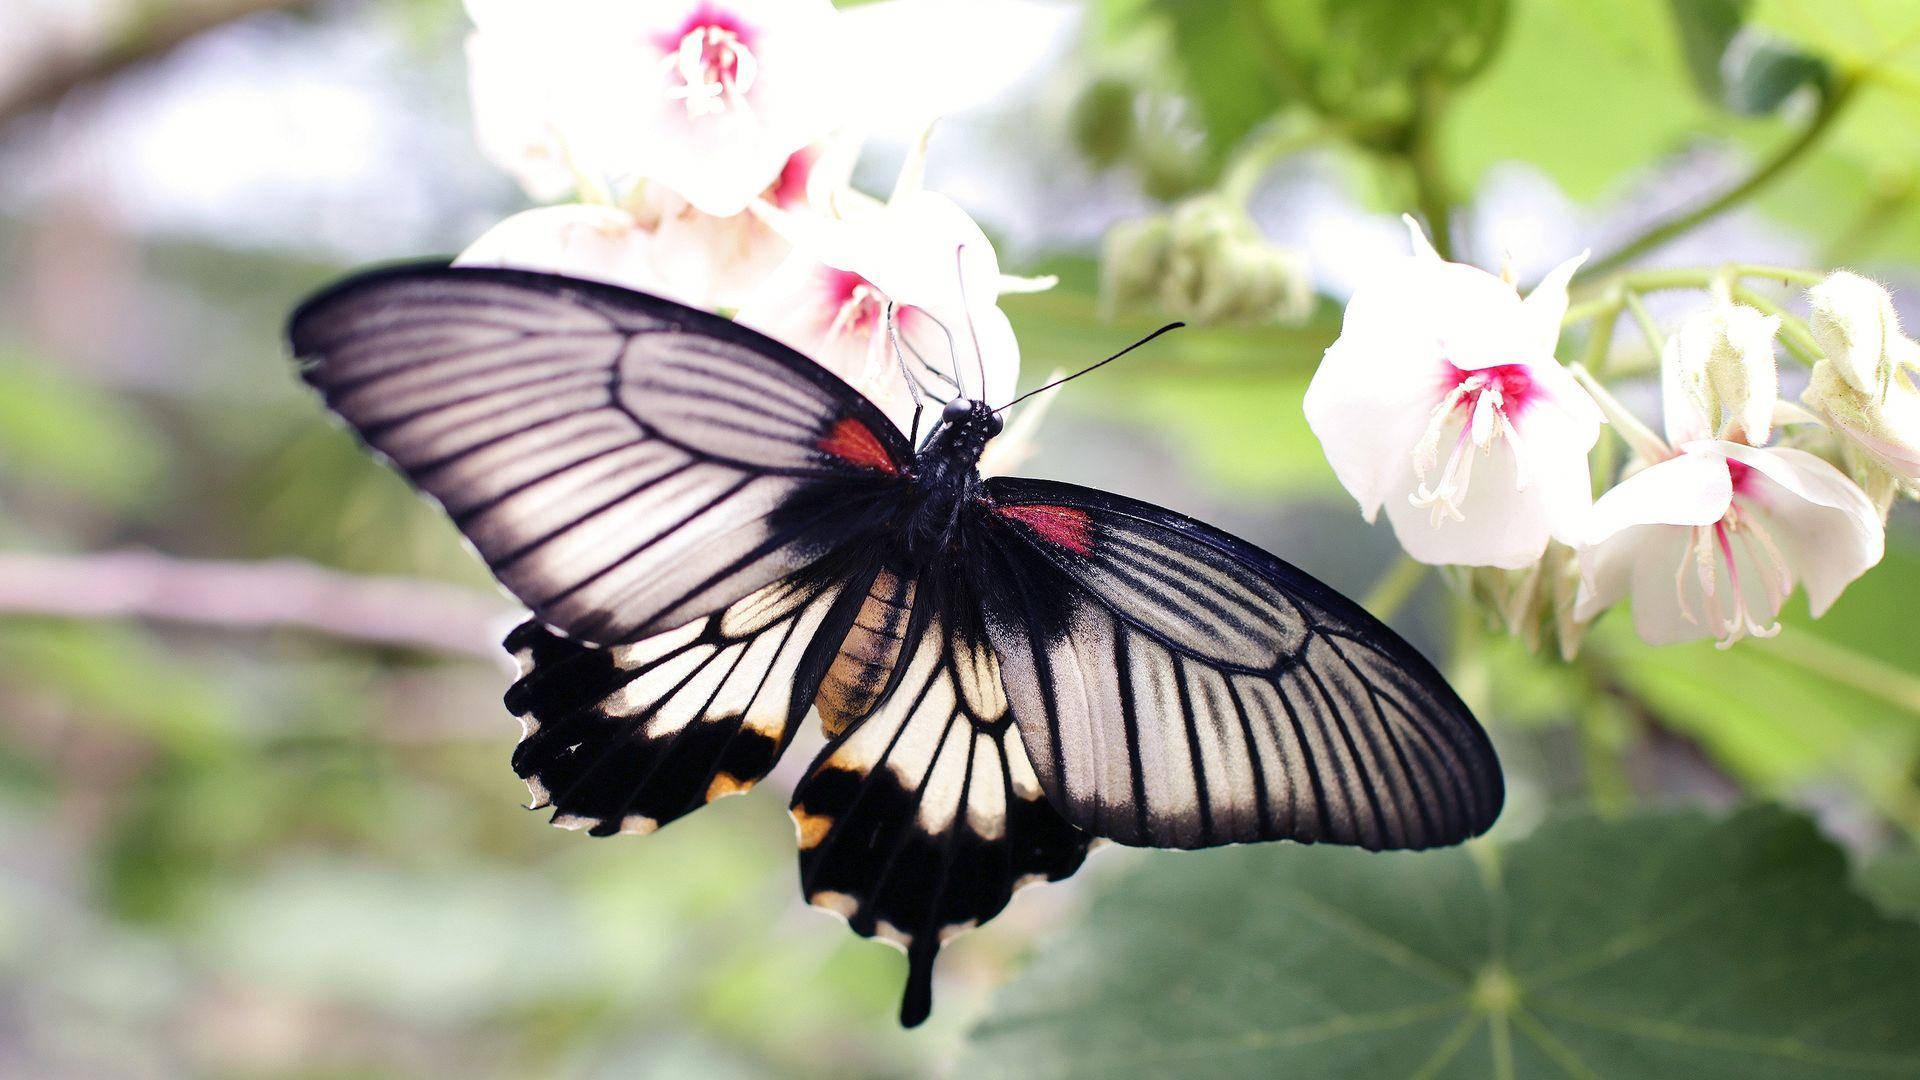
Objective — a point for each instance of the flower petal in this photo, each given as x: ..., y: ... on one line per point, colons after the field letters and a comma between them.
x: 1607, y: 568
x: 1691, y: 490
x: 1546, y: 305
x: 1823, y: 523
x: 1501, y: 524
x: 602, y: 243
x: 1368, y: 404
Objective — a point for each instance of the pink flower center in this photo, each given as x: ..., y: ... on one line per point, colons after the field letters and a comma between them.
x: 1741, y: 474
x: 1718, y: 555
x: 1486, y: 403
x: 790, y: 190
x: 710, y: 65
x: 857, y: 307
x: 1511, y: 385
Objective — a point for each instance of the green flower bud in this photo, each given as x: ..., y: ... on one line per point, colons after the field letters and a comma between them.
x: 1102, y: 120
x: 1864, y: 385
x: 1206, y: 263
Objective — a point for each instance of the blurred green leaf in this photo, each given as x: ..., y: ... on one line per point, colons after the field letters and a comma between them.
x: 1783, y: 713
x: 1242, y: 61
x: 1893, y: 882
x: 54, y: 431
x: 1671, y: 945
x: 1227, y: 398
x: 1769, y: 72
x: 1611, y: 72
x: 117, y: 676
x: 1706, y: 28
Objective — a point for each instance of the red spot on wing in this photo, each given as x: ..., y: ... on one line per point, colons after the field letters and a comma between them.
x: 854, y: 443
x: 1065, y: 526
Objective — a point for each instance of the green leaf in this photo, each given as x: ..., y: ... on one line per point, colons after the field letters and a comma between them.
x: 1706, y: 28
x: 1613, y: 73
x: 57, y: 431
x: 1831, y: 698
x: 1769, y: 71
x: 1662, y: 946
x: 1893, y: 882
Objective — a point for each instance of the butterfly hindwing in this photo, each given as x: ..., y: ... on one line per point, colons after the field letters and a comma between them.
x: 1177, y: 687
x: 623, y: 463
x: 627, y: 738
x: 922, y: 819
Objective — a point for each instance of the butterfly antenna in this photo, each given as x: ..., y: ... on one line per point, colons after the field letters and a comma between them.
x: 1090, y: 367
x: 953, y: 350
x: 979, y: 357
x: 893, y: 335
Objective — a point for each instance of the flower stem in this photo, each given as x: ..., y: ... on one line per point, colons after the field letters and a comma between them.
x: 1658, y: 234
x: 1648, y: 328
x: 1429, y: 174
x: 1395, y: 588
x: 1785, y: 275
x: 1256, y: 155
x: 1840, y: 664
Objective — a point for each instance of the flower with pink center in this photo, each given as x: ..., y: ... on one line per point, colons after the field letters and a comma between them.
x: 708, y: 98
x: 924, y: 255
x: 839, y: 319
x: 1713, y: 535
x: 1442, y: 401
x: 657, y: 243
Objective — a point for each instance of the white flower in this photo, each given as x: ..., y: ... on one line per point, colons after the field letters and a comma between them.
x: 601, y: 243
x: 658, y: 243
x: 1711, y: 538
x: 919, y: 251
x: 1867, y: 385
x: 708, y: 97
x: 1442, y: 400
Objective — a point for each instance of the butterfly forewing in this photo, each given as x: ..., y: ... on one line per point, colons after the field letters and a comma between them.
x: 1177, y: 687
x: 624, y: 464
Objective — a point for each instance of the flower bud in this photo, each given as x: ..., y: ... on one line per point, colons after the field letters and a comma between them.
x: 1536, y: 603
x: 1206, y: 263
x: 1102, y: 122
x: 1864, y: 384
x: 1857, y: 329
x: 1727, y: 369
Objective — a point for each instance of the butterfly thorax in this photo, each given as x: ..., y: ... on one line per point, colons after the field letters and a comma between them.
x: 946, y: 472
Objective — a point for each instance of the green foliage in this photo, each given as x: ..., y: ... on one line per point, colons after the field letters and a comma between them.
x: 60, y: 434
x: 1815, y: 704
x: 1662, y: 946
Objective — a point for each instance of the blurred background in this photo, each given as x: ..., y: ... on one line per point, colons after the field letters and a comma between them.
x: 256, y: 817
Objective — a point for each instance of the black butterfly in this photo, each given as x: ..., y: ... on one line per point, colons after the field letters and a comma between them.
x: 715, y: 534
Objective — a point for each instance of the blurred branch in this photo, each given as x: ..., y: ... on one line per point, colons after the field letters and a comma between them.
x: 251, y: 595
x: 154, y: 31
x: 1430, y: 185
x: 1661, y: 232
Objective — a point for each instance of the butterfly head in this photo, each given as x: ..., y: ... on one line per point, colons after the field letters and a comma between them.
x: 966, y: 426
x: 969, y: 424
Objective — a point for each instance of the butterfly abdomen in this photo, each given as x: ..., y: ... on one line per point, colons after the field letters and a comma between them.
x: 867, y: 656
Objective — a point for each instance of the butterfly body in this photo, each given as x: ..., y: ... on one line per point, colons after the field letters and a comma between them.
x: 716, y: 536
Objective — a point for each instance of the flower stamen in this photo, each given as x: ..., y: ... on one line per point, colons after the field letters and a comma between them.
x: 715, y: 68
x: 1491, y: 397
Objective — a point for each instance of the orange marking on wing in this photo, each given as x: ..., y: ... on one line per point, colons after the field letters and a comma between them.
x: 853, y: 442
x: 1066, y: 526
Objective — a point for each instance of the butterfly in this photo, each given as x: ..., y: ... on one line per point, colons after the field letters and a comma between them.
x: 715, y: 536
